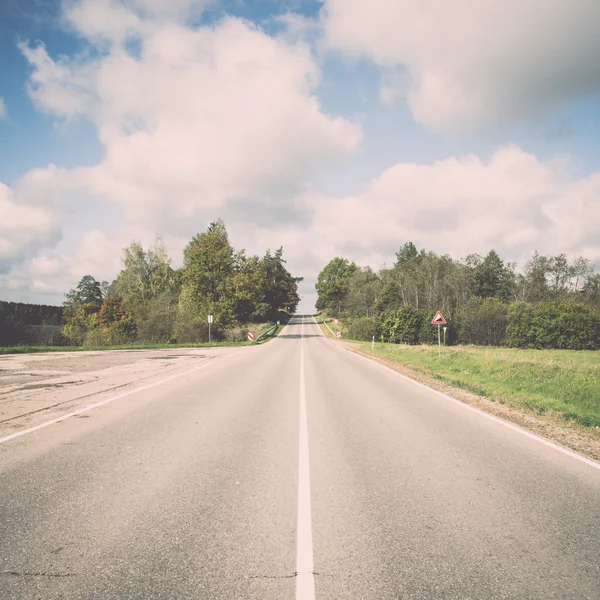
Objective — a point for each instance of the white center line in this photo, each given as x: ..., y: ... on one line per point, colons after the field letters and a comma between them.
x: 305, y: 577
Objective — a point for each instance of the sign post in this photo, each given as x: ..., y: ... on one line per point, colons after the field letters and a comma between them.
x: 439, y: 320
x: 210, y: 320
x: 250, y: 336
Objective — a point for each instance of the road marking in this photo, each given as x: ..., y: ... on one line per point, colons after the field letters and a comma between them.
x: 517, y: 428
x: 89, y: 407
x: 305, y: 577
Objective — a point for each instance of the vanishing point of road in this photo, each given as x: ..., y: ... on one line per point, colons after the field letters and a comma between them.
x: 291, y: 470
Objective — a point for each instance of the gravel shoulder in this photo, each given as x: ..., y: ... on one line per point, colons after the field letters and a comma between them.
x: 38, y: 387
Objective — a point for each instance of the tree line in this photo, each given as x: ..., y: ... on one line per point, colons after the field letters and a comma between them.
x: 553, y: 302
x: 19, y: 320
x: 150, y: 301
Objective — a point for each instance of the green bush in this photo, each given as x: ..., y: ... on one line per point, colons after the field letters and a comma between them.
x: 363, y: 328
x: 483, y: 322
x: 567, y: 325
x: 401, y: 325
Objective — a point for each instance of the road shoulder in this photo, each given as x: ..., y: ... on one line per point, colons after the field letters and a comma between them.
x: 549, y: 426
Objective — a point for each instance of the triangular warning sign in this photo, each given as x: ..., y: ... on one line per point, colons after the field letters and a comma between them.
x: 438, y: 319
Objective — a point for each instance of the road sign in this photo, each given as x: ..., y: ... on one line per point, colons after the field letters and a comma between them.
x: 438, y: 319
x: 210, y: 318
x: 338, y: 334
x: 336, y: 321
x: 250, y: 336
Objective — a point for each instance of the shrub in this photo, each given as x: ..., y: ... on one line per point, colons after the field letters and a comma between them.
x: 567, y: 325
x: 482, y: 321
x: 401, y: 325
x: 363, y: 328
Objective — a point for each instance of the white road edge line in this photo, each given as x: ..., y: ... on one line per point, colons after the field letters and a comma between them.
x: 517, y: 428
x: 89, y: 407
x: 305, y: 577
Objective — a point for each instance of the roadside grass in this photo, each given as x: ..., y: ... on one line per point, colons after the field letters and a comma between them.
x: 324, y: 319
x: 566, y: 382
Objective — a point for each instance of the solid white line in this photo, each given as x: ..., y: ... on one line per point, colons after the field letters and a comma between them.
x: 305, y: 577
x: 89, y: 407
x: 517, y: 428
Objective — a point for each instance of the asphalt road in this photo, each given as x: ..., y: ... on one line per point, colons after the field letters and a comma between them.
x: 293, y: 470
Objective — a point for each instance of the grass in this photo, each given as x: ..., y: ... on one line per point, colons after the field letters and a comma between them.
x: 566, y: 382
x: 329, y: 321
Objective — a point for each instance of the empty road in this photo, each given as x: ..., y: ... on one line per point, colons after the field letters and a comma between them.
x: 289, y: 470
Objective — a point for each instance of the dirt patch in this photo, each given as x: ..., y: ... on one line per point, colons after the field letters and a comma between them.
x: 550, y: 425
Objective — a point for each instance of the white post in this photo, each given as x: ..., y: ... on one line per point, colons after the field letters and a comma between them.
x: 445, y: 335
x: 373, y: 344
x: 209, y: 332
x: 439, y: 342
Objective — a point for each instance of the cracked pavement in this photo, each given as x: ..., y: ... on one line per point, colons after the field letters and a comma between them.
x: 189, y: 488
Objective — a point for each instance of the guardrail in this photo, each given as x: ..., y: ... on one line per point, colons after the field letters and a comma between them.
x: 326, y: 325
x: 265, y: 333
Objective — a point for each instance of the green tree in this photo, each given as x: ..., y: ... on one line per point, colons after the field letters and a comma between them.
x: 492, y: 278
x: 280, y: 288
x: 333, y: 283
x: 208, y: 272
x: 88, y: 292
x: 532, y: 285
x: 364, y: 286
x: 149, y: 290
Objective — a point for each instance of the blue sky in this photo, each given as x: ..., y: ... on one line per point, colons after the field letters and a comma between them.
x: 363, y: 143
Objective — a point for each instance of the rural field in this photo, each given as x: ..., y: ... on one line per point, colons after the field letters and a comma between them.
x: 560, y: 382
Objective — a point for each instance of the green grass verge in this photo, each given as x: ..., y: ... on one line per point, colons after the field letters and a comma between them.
x: 566, y: 382
x: 563, y: 381
x: 324, y: 319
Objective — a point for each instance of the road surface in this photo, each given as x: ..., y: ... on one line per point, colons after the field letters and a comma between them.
x: 295, y: 469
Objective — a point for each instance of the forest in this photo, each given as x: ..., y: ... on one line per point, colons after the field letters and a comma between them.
x: 552, y: 302
x: 150, y: 301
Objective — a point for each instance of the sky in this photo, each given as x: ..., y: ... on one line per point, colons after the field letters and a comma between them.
x: 333, y: 128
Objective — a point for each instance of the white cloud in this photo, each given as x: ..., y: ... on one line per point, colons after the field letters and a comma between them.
x: 2, y: 108
x: 202, y: 118
x: 25, y: 227
x: 514, y: 203
x: 475, y: 62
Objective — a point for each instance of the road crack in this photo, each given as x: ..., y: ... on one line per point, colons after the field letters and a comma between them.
x: 35, y: 574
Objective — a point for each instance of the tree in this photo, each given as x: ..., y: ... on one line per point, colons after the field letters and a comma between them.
x: 492, y: 278
x: 364, y: 286
x: 533, y: 283
x: 148, y: 288
x: 87, y: 292
x: 209, y: 268
x: 280, y: 288
x: 332, y: 284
